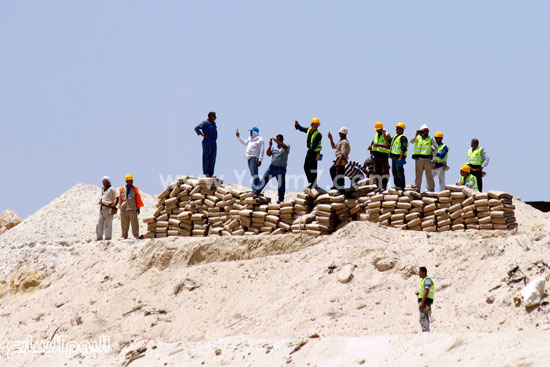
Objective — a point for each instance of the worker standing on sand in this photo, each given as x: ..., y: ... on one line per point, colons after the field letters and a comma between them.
x: 440, y: 160
x: 313, y: 143
x: 425, y: 298
x: 277, y: 168
x: 130, y: 204
x: 477, y: 160
x: 424, y: 146
x: 398, y: 153
x: 380, y: 149
x: 338, y: 169
x: 467, y: 179
x: 107, y: 209
x: 254, y: 155
x: 209, y: 132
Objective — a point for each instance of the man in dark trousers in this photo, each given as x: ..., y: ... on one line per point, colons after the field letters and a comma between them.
x: 338, y: 169
x: 477, y: 159
x: 380, y: 149
x: 313, y: 143
x: 398, y: 153
x: 277, y: 169
x: 209, y: 132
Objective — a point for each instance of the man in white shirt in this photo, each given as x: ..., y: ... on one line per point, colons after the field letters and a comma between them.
x: 254, y: 155
x: 107, y: 208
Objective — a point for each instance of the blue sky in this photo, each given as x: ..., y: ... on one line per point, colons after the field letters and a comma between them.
x: 105, y: 88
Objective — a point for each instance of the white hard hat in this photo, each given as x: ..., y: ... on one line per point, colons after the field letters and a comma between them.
x: 343, y: 130
x: 424, y: 127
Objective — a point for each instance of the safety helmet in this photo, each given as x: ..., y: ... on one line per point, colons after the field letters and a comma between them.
x: 378, y: 125
x: 129, y: 177
x: 465, y: 168
x: 401, y: 125
x: 438, y: 134
x: 315, y: 120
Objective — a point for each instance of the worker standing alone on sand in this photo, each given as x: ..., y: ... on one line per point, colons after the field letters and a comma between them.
x: 107, y: 209
x: 425, y: 298
x: 313, y: 154
x: 130, y: 204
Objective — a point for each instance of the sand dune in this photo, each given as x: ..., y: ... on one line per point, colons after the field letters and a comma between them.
x: 251, y: 301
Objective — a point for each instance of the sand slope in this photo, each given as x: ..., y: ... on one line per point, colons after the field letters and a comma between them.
x: 255, y: 298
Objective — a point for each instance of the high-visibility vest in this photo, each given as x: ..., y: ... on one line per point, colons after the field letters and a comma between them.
x: 139, y: 202
x: 309, y: 139
x: 395, y: 147
x: 474, y: 157
x: 379, y: 139
x: 439, y: 150
x: 421, y: 289
x: 465, y: 180
x: 423, y: 146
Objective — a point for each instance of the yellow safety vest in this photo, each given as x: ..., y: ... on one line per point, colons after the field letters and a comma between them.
x: 395, y: 147
x: 439, y: 150
x: 421, y: 289
x: 464, y: 180
x: 379, y: 139
x: 311, y: 138
x: 474, y: 157
x: 423, y: 146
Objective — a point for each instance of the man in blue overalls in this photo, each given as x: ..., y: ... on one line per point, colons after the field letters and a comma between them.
x: 209, y: 131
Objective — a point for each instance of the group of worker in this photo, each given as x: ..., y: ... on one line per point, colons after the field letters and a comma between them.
x: 430, y: 156
x: 127, y: 199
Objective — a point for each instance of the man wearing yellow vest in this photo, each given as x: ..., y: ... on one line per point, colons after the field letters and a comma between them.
x: 467, y: 179
x: 424, y: 146
x: 313, y: 143
x: 398, y: 153
x: 425, y: 298
x: 477, y: 159
x: 440, y: 160
x: 380, y: 149
x: 130, y: 204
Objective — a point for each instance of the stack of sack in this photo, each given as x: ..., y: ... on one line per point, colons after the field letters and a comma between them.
x: 204, y: 207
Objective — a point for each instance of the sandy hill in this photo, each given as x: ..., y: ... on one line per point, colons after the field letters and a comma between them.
x: 262, y: 301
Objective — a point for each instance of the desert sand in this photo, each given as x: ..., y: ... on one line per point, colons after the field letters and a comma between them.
x: 270, y: 300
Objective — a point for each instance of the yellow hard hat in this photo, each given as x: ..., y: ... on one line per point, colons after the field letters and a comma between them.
x: 465, y: 168
x: 378, y: 125
x: 401, y: 125
x: 129, y: 177
x: 438, y: 134
x: 315, y: 120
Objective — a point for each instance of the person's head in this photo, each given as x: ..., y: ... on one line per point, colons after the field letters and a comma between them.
x: 106, y: 181
x: 438, y: 137
x: 254, y: 131
x: 379, y: 127
x: 315, y: 123
x: 280, y: 138
x: 422, y: 272
x: 465, y: 170
x: 400, y: 128
x: 129, y: 180
x: 475, y: 143
x: 343, y: 132
x: 425, y: 130
x: 212, y: 116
